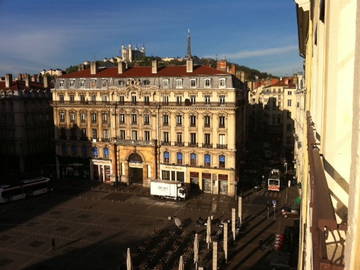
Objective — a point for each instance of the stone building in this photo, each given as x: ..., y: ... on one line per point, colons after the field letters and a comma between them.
x: 328, y: 164
x: 134, y: 125
x: 26, y: 127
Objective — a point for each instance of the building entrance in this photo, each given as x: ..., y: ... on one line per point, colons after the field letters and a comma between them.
x: 135, y: 169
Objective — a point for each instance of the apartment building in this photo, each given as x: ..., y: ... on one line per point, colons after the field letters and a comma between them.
x: 138, y: 124
x: 328, y: 165
x: 26, y: 127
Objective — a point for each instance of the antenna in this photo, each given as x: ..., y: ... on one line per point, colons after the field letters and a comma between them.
x: 188, y: 53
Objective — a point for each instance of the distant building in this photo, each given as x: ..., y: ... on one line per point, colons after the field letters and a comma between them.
x: 134, y: 125
x: 26, y: 127
x: 130, y: 53
x: 52, y: 72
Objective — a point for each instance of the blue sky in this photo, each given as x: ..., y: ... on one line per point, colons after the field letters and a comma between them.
x: 40, y: 34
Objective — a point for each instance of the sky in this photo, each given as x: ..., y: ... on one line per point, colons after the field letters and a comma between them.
x: 43, y: 34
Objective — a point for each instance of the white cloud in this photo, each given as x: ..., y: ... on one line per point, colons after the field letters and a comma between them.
x: 258, y: 53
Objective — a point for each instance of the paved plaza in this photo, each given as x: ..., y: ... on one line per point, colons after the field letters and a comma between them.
x: 91, y: 229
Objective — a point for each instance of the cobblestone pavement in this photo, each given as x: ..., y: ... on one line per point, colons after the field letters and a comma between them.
x: 91, y: 229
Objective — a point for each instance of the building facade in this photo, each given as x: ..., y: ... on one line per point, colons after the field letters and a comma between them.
x: 26, y: 128
x: 328, y: 166
x: 135, y: 125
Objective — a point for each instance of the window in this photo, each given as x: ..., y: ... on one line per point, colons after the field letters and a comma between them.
x: 221, y: 121
x: 61, y: 83
x: 93, y: 118
x: 207, y: 121
x: 72, y: 117
x: 147, y: 135
x: 222, y: 99
x: 93, y: 83
x: 63, y: 133
x: 179, y: 120
x: 94, y: 133
x: 165, y: 100
x: 147, y: 100
x: 166, y: 137
x: 179, y: 157
x: 62, y: 116
x: 146, y: 119
x: 165, y: 175
x: 207, y: 138
x: 61, y: 98
x: 83, y: 133
x: 207, y: 160
x: 192, y: 120
x: 179, y: 83
x: 179, y: 137
x: 105, y: 98
x: 106, y: 134
x: 105, y: 117
x: 207, y: 99
x: 222, y: 83
x: 122, y: 134
x: 289, y: 102
x: 82, y: 98
x: 106, y: 152
x: 221, y: 161
x: 64, y: 149
x: 95, y: 152
x: 122, y: 118
x: 193, y: 83
x: 120, y: 82
x: 193, y: 99
x: 121, y: 100
x: 222, y: 139
x: 193, y: 138
x: 207, y: 83
x: 180, y: 176
x: 133, y: 100
x: 82, y: 117
x: 72, y: 83
x: 93, y: 98
x: 82, y: 83
x: 134, y: 119
x: 134, y: 135
x: 84, y: 151
x: 165, y: 120
x: 178, y: 100
x: 166, y: 83
x: 166, y: 158
x: 290, y: 93
x: 193, y: 159
x: 72, y: 98
x: 104, y: 83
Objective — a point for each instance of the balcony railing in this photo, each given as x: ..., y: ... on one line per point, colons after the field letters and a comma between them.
x: 140, y: 103
x: 165, y: 143
x: 179, y: 143
x: 207, y: 145
x: 193, y: 144
x: 221, y: 146
x: 135, y: 142
x: 324, y: 224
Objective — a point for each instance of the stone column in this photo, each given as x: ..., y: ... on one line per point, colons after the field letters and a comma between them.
x: 214, y: 257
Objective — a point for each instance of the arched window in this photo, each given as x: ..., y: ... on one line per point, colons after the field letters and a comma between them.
x: 207, y: 160
x: 166, y: 157
x: 106, y: 152
x: 221, y: 161
x: 95, y: 152
x: 179, y: 158
x: 193, y: 159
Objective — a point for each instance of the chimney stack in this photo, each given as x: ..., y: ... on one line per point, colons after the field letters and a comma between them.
x: 154, y: 66
x: 121, y: 67
x: 8, y: 80
x: 189, y: 65
x: 45, y: 81
x: 93, y: 68
x: 221, y: 65
x: 27, y: 80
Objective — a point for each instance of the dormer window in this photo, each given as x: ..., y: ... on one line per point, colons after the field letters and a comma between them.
x: 61, y: 83
x: 179, y: 83
x: 166, y: 83
x: 207, y: 83
x: 93, y: 83
x: 104, y: 83
x: 222, y: 83
x: 82, y: 83
x: 120, y: 83
x: 193, y: 83
x: 72, y: 83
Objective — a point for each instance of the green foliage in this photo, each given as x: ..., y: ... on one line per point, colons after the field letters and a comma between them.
x: 71, y: 69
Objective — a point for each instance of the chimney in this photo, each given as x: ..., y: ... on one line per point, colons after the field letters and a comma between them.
x: 232, y: 69
x: 45, y: 81
x: 93, y: 68
x: 154, y: 67
x: 221, y: 65
x: 27, y: 80
x: 189, y: 65
x: 8, y: 80
x: 121, y: 67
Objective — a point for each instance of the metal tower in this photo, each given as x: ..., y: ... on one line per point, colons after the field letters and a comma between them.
x: 188, y: 53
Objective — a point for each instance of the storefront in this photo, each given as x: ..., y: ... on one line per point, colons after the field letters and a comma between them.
x: 100, y: 170
x: 173, y: 173
x: 206, y: 182
x: 223, y: 184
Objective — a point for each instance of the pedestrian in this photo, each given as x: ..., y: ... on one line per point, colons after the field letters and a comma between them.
x: 53, y: 243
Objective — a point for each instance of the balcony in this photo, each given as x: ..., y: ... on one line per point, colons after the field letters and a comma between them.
x: 221, y: 146
x: 193, y: 144
x: 327, y: 249
x: 207, y: 145
x: 135, y: 142
x: 165, y: 143
x: 179, y: 143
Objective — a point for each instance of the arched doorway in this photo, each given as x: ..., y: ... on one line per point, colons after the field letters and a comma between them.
x: 135, y: 169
